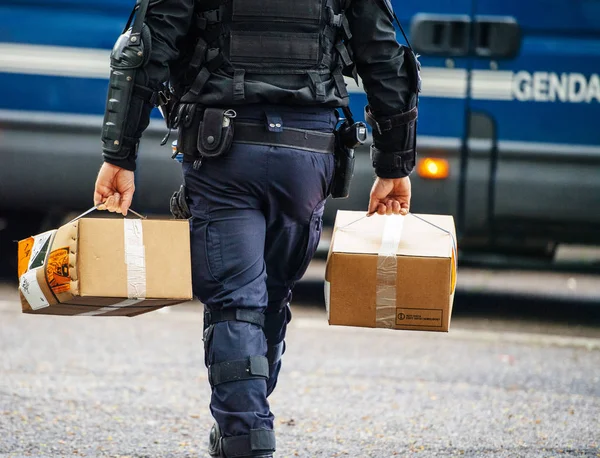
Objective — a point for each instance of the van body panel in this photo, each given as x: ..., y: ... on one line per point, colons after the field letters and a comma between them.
x: 545, y: 106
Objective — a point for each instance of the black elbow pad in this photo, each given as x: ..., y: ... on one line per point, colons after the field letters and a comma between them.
x: 394, y: 148
x: 393, y: 151
x: 130, y: 53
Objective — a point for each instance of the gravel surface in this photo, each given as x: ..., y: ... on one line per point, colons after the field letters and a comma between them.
x: 137, y: 387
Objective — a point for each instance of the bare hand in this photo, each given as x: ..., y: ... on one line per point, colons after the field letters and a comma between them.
x: 390, y: 196
x: 114, y: 189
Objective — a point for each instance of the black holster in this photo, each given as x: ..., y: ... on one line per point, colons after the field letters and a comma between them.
x: 179, y: 204
x: 348, y: 136
x: 344, y: 169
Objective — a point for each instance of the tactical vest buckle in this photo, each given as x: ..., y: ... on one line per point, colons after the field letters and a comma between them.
x: 334, y: 20
x: 212, y: 16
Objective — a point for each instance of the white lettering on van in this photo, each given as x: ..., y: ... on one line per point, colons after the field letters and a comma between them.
x: 522, y: 86
x: 577, y: 87
x: 540, y: 86
x: 559, y: 87
x: 552, y: 87
x: 593, y: 91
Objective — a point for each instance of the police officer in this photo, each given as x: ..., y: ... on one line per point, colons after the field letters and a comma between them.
x: 253, y: 88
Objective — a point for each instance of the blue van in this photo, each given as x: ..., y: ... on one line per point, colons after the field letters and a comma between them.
x: 509, y: 125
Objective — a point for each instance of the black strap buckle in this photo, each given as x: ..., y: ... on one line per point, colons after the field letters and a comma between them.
x: 334, y: 20
x: 237, y: 314
x: 213, y: 16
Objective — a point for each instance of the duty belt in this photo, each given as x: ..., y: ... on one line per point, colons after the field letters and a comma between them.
x: 309, y: 140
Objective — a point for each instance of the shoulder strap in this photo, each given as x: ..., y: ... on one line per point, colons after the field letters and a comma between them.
x: 139, y: 11
x: 387, y: 4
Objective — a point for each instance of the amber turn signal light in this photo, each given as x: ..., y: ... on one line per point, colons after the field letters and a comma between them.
x: 433, y: 168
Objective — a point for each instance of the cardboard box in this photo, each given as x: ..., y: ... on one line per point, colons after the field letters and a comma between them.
x: 106, y: 267
x: 396, y: 272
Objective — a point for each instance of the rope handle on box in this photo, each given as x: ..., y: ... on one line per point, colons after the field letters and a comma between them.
x: 454, y: 245
x: 96, y: 207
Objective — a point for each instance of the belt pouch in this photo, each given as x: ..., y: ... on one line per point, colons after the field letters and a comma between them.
x: 215, y: 134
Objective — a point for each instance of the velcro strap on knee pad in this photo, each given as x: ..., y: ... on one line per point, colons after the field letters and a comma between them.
x: 275, y: 352
x: 254, y: 367
x: 237, y: 314
x: 258, y: 441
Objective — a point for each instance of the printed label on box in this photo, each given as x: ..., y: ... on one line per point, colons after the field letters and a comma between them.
x: 58, y: 271
x: 429, y: 318
x: 40, y: 249
x: 30, y: 288
x: 24, y: 250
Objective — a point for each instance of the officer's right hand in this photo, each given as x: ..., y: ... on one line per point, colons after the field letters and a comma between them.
x: 114, y: 189
x: 390, y: 196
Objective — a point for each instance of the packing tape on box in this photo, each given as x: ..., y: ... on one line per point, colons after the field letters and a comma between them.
x: 387, y: 272
x: 135, y: 258
x: 112, y: 308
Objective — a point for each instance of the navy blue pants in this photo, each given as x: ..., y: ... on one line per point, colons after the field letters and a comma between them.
x: 257, y: 219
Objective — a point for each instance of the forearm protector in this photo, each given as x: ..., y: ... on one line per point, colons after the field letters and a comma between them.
x: 129, y: 55
x: 394, y: 148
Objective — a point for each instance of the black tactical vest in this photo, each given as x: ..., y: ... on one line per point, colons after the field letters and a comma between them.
x: 273, y: 43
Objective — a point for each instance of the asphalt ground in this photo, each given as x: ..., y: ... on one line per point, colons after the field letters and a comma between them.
x: 510, y: 379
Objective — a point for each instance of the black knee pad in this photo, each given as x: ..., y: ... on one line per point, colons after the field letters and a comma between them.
x: 212, y: 318
x: 258, y: 443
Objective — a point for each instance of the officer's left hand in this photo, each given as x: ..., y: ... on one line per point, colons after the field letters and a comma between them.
x: 114, y: 189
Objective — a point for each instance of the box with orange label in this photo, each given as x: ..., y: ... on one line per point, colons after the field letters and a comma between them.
x: 106, y: 267
x: 396, y: 272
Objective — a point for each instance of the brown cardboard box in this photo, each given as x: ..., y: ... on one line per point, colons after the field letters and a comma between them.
x: 395, y: 272
x: 106, y: 267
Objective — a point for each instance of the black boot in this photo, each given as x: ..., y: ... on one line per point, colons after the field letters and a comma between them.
x: 214, y: 442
